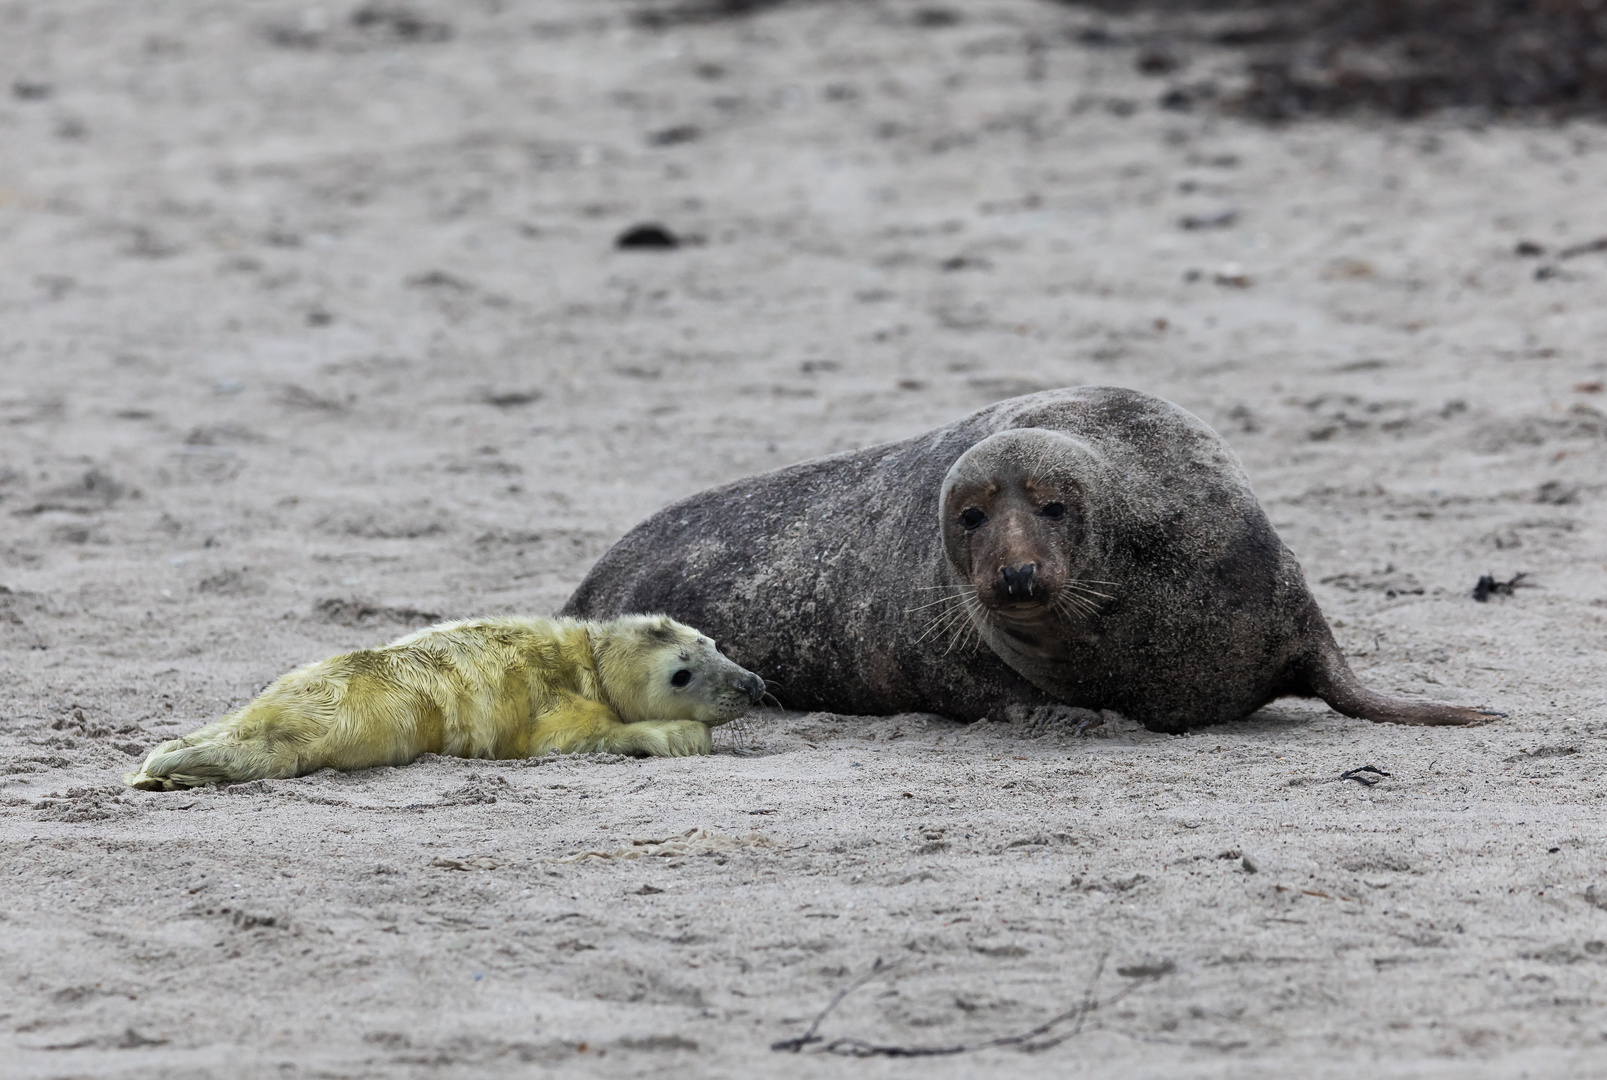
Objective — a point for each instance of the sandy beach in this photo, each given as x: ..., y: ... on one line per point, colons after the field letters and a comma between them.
x: 314, y: 330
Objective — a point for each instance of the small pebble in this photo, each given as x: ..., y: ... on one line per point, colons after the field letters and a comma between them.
x: 647, y: 237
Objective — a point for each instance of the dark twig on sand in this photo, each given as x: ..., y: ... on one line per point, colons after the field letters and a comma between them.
x: 1589, y: 247
x: 795, y: 1045
x: 1364, y: 781
x: 1035, y: 1040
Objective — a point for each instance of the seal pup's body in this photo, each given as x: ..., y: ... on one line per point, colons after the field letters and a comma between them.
x: 1095, y: 546
x: 480, y: 688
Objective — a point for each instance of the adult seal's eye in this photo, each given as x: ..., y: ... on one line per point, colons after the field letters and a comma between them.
x: 681, y: 678
x: 972, y: 518
x: 1053, y: 510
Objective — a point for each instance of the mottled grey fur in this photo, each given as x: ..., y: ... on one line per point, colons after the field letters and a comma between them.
x: 834, y: 580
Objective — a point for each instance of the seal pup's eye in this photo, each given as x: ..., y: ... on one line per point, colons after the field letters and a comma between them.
x: 681, y: 678
x: 972, y: 518
x: 1053, y: 510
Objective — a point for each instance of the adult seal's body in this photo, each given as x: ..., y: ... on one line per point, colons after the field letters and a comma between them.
x: 1096, y: 547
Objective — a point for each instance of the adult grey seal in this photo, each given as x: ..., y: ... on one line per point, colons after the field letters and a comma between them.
x: 1094, y: 546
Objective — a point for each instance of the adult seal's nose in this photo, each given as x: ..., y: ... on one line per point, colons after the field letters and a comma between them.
x: 1018, y: 580
x: 753, y: 686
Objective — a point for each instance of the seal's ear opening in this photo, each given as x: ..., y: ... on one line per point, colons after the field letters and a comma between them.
x: 660, y: 630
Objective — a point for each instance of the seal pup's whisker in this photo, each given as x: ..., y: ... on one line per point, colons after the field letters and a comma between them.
x: 735, y: 734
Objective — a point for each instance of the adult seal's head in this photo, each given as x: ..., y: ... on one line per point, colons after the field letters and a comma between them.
x: 1020, y: 518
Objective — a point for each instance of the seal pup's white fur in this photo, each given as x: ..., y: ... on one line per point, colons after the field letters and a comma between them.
x: 479, y: 688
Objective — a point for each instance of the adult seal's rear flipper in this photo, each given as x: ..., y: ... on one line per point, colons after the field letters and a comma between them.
x: 1332, y: 680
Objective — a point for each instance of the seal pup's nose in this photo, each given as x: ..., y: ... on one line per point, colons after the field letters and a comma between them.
x: 753, y: 686
x: 1018, y: 580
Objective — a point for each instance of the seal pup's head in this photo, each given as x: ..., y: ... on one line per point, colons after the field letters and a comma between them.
x: 1017, y: 529
x: 654, y: 668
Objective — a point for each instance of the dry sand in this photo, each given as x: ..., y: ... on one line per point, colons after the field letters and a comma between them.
x: 313, y: 331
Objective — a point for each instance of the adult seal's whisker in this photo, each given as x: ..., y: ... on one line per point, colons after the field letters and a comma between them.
x: 945, y: 620
x: 935, y: 603
x: 1073, y: 606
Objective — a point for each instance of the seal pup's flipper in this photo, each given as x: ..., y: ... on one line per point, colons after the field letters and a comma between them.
x: 203, y: 757
x: 1330, y: 678
x: 579, y: 726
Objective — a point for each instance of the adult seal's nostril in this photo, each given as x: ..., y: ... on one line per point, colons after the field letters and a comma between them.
x: 754, y: 686
x: 1018, y: 580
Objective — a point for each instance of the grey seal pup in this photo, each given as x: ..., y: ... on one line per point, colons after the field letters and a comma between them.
x: 1094, y: 546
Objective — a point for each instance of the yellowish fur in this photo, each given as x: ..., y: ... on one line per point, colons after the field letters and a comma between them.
x: 480, y: 688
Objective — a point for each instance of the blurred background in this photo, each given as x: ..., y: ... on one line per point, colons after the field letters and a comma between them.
x: 322, y: 321
x: 416, y: 307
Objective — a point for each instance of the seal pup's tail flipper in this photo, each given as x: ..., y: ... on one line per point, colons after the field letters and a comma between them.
x: 174, y: 765
x: 1330, y: 678
x: 203, y: 757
